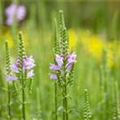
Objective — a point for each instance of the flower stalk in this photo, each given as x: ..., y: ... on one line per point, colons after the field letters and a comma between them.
x: 63, y: 65
x: 21, y: 73
x: 56, y: 103
x: 25, y: 71
x: 21, y: 56
x: 64, y: 51
x: 56, y: 50
x: 8, y: 71
x: 23, y: 99
x: 87, y: 112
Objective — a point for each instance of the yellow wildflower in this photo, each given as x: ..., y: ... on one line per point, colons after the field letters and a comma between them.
x: 72, y: 39
x: 92, y: 43
x: 84, y: 36
x: 7, y: 36
x: 95, y: 46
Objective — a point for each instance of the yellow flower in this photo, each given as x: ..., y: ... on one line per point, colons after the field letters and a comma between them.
x: 7, y: 36
x: 72, y: 39
x: 95, y: 46
x: 92, y: 44
x: 118, y: 50
x: 84, y: 36
x: 113, y: 56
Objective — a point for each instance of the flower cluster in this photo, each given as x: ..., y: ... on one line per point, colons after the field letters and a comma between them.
x: 28, y: 64
x: 15, y: 11
x: 59, y: 59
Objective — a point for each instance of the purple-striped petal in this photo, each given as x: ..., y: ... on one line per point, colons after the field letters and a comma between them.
x: 53, y: 76
x: 10, y: 10
x: 21, y: 12
x: 15, y: 11
x: 28, y: 63
x: 11, y: 78
x: 72, y: 58
x: 14, y: 68
x: 59, y: 60
x: 69, y: 66
x: 30, y: 74
x: 54, y: 67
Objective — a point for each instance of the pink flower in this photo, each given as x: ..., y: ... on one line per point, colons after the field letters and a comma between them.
x: 69, y: 66
x: 28, y: 63
x: 59, y: 60
x: 53, y: 76
x: 70, y: 61
x: 72, y: 58
x: 11, y: 78
x: 14, y: 68
x: 30, y: 74
x: 54, y: 67
x: 15, y: 11
x: 21, y: 12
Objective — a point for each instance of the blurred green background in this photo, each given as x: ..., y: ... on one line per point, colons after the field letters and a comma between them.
x: 96, y: 15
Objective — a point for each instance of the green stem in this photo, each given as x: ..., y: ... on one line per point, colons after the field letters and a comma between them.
x: 56, y: 114
x: 9, y: 103
x: 64, y: 116
x: 23, y: 99
x: 65, y: 102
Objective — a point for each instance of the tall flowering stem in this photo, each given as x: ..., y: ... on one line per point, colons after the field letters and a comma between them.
x: 63, y: 66
x: 87, y: 112
x: 56, y: 50
x: 21, y: 56
x: 56, y: 103
x: 116, y: 115
x: 8, y: 71
x: 24, y: 72
x: 64, y: 51
x: 21, y: 72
